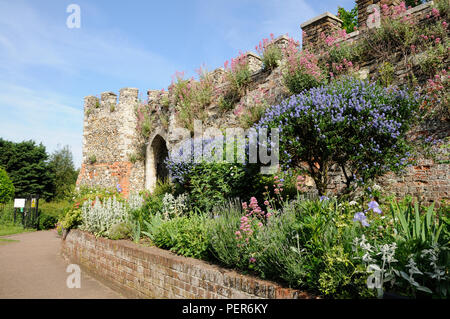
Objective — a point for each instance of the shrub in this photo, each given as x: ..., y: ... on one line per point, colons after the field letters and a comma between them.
x: 336, y: 56
x: 269, y: 52
x: 184, y: 236
x: 120, y: 231
x: 192, y: 97
x: 349, y: 18
x: 6, y: 187
x: 386, y: 74
x: 301, y: 71
x: 251, y: 112
x: 72, y: 219
x: 47, y: 221
x: 98, y: 217
x: 152, y: 224
x: 237, y: 75
x: 222, y: 236
x: 174, y: 206
x: 360, y: 127
x: 145, y: 119
x: 210, y: 181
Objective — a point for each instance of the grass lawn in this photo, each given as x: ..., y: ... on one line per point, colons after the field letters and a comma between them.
x: 6, y: 230
x: 4, y: 241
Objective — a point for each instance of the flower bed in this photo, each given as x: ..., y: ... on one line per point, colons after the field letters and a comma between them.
x: 149, y: 272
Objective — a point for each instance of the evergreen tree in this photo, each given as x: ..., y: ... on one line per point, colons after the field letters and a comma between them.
x: 27, y: 166
x: 63, y: 171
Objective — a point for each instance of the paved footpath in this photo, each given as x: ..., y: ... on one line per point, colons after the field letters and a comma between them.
x: 33, y: 268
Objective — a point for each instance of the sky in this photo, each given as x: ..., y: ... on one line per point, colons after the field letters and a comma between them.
x: 47, y: 68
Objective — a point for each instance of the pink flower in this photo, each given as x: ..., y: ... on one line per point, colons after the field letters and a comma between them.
x: 252, y: 260
x: 435, y: 12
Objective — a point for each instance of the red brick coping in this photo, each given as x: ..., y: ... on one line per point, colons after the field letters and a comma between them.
x: 149, y: 272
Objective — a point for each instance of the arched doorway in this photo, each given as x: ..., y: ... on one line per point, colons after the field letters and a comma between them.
x: 155, y: 168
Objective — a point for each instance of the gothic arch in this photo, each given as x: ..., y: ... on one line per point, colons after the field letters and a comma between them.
x: 156, y: 153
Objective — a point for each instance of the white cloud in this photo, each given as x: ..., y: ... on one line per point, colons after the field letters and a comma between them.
x: 41, y: 116
x: 29, y: 39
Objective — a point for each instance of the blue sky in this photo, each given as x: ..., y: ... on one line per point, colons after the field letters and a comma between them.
x: 46, y: 69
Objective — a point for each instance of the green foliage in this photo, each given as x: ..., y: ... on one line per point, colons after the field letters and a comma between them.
x: 146, y: 119
x: 163, y: 187
x: 92, y: 159
x: 72, y: 219
x: 237, y: 77
x: 270, y: 53
x: 413, y: 225
x: 6, y: 187
x: 151, y: 225
x: 228, y: 99
x: 212, y: 184
x: 153, y: 202
x: 64, y: 173
x: 386, y: 74
x: 300, y: 81
x: 184, y: 236
x: 301, y: 70
x: 223, y: 239
x: 191, y: 97
x: 47, y: 221
x: 432, y: 59
x: 120, y: 231
x: 251, y: 114
x: 349, y: 18
x: 419, y: 44
x: 27, y: 167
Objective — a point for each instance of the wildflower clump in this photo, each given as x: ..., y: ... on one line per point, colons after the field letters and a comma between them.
x: 269, y: 52
x: 301, y: 70
x: 237, y: 75
x: 191, y: 96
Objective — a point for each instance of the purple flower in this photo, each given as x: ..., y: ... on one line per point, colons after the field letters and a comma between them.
x: 119, y: 189
x: 322, y: 198
x: 373, y: 205
x: 360, y: 217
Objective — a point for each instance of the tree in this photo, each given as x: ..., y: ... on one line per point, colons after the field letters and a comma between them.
x: 349, y: 18
x: 6, y: 187
x: 63, y: 171
x: 26, y: 165
x: 358, y: 127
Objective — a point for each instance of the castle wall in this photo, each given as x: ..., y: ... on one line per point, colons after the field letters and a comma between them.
x: 110, y: 132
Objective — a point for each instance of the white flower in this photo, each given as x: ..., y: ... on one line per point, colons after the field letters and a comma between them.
x: 376, y: 187
x: 353, y: 203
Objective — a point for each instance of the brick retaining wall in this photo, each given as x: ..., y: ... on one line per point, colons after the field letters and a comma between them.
x: 150, y: 272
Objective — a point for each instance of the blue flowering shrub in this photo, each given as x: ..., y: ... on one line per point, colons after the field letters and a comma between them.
x: 359, y: 127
